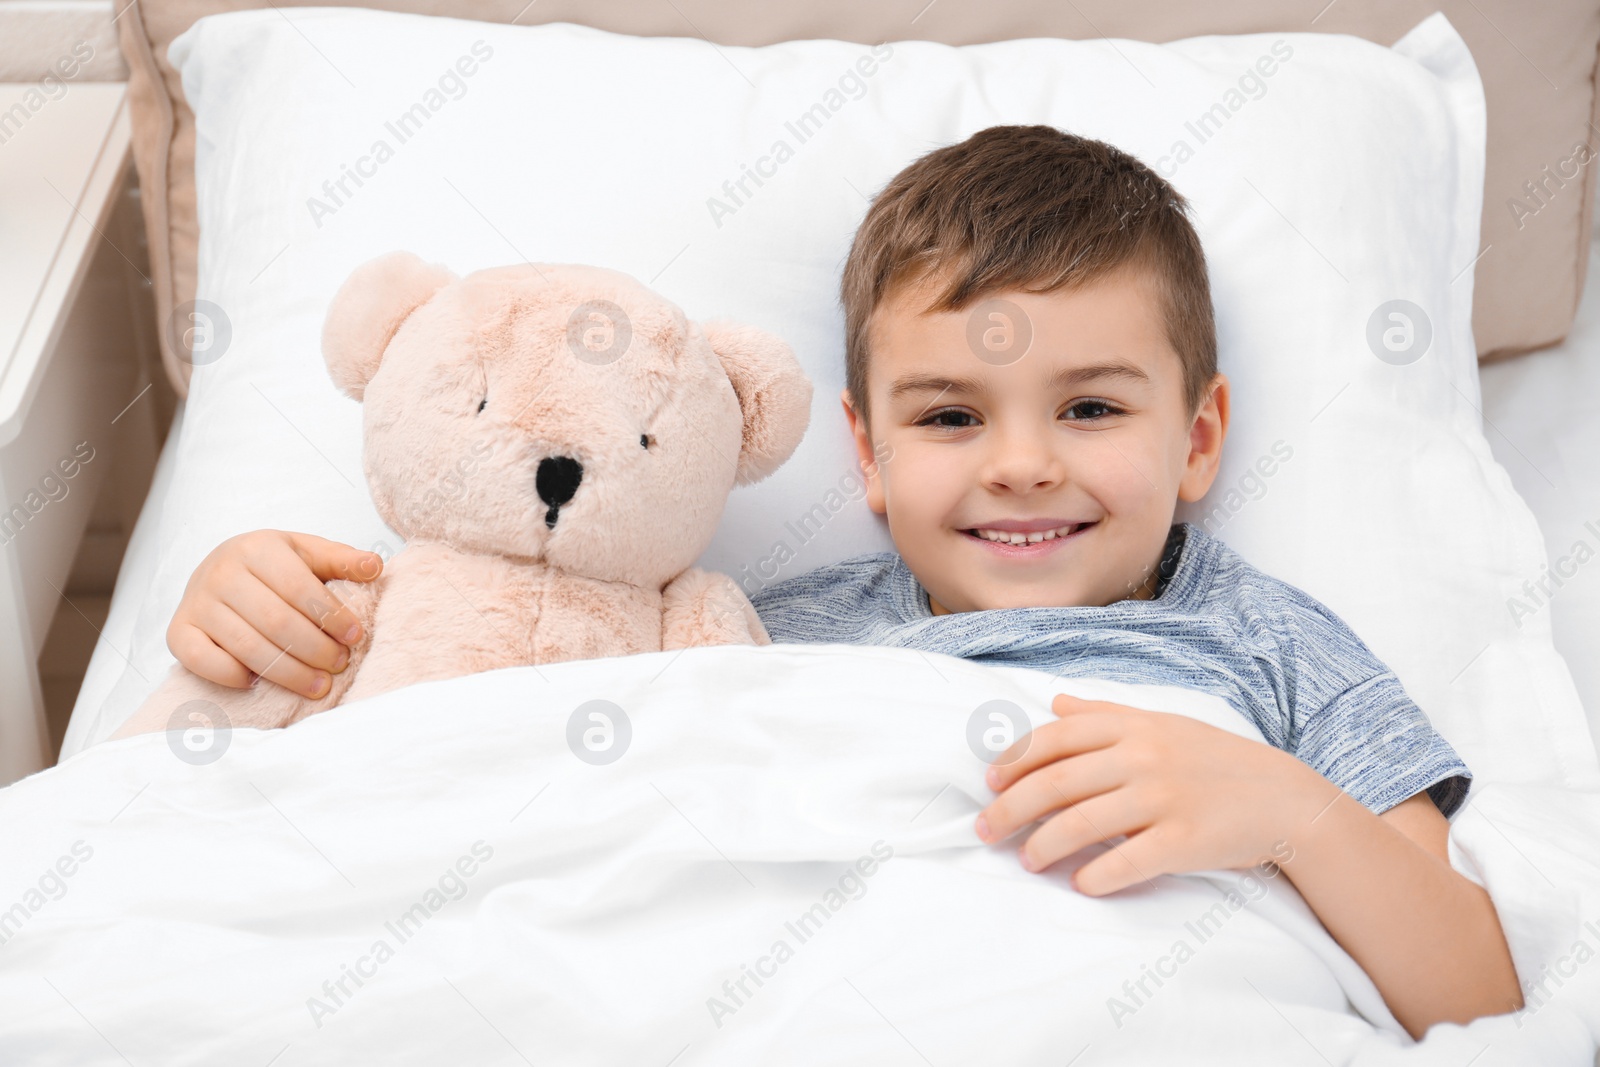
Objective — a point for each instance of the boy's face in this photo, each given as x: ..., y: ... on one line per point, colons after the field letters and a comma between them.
x: 1084, y: 440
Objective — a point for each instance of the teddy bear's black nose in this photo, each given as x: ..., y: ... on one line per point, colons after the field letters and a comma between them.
x: 556, y: 481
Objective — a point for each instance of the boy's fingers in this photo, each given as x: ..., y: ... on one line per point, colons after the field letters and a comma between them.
x: 291, y: 577
x: 301, y: 589
x: 284, y: 625
x: 327, y: 612
x: 330, y: 559
x: 1065, y: 704
x: 1051, y: 788
x: 1132, y: 862
x: 244, y: 642
x: 200, y: 655
x: 1095, y: 820
x: 1050, y: 743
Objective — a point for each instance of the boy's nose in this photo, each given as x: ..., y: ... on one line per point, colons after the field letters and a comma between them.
x: 556, y: 481
x: 1021, y: 463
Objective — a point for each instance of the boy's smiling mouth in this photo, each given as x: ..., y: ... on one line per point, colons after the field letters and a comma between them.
x: 1013, y: 537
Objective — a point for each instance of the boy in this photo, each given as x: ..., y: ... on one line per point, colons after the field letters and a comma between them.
x: 1029, y: 339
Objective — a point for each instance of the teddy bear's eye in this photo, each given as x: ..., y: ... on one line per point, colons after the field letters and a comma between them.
x: 645, y: 440
x: 483, y: 404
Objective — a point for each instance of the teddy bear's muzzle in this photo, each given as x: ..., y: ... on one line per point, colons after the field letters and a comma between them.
x: 556, y: 481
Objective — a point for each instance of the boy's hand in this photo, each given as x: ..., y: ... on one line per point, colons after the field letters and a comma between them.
x: 1190, y: 796
x: 257, y: 606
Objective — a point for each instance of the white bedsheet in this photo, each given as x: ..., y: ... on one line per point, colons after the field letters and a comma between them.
x: 607, y: 905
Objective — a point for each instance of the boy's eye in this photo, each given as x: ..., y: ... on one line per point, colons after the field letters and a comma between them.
x: 947, y: 419
x: 1089, y: 410
x: 645, y: 440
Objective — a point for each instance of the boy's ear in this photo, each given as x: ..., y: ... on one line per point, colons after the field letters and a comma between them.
x: 1206, y: 434
x: 866, y: 453
x: 369, y: 307
x: 774, y: 395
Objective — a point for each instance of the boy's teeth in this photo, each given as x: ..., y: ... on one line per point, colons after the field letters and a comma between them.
x: 1007, y: 537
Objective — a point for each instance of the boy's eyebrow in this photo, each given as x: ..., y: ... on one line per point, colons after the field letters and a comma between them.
x: 1062, y: 380
x: 919, y: 383
x: 1115, y: 368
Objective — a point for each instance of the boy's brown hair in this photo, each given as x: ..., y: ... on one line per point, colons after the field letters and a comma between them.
x: 1028, y: 208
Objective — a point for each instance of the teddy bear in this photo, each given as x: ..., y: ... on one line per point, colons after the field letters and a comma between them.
x: 592, y: 434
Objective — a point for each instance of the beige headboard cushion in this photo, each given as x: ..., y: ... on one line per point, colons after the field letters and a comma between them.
x: 1538, y: 63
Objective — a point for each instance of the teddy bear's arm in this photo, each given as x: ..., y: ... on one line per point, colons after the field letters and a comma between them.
x: 264, y: 705
x: 706, y: 608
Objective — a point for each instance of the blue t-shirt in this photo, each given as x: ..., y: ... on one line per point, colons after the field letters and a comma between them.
x: 1216, y: 624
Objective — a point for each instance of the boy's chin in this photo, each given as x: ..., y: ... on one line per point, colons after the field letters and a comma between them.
x: 1065, y: 594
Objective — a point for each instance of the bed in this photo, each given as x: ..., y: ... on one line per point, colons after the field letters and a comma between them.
x: 780, y: 866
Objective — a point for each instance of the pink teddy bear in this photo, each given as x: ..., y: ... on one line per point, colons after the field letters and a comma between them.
x: 592, y: 433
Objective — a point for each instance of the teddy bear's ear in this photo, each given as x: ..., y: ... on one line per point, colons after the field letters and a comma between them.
x: 774, y: 395
x: 367, y: 310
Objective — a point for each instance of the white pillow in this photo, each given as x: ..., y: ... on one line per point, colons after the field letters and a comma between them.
x: 1330, y: 176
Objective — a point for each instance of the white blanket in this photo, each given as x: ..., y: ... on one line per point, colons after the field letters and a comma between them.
x: 779, y: 867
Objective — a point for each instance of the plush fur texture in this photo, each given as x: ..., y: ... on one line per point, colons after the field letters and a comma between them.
x: 556, y: 444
